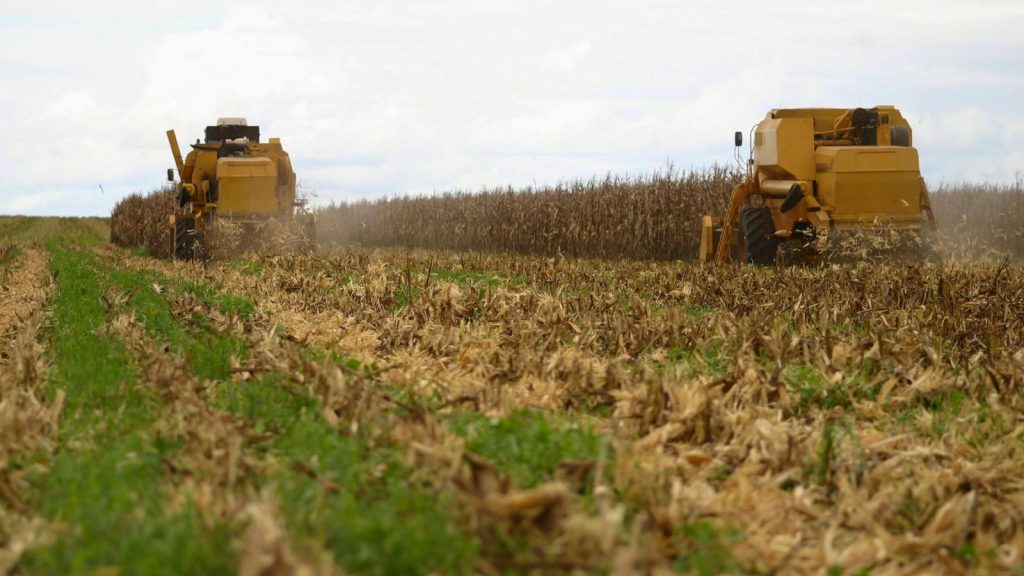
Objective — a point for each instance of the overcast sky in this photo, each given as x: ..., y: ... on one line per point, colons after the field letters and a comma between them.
x: 378, y: 97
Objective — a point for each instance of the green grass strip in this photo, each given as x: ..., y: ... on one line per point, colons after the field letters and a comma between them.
x: 13, y: 227
x: 103, y: 485
x: 527, y: 445
x: 378, y: 522
x: 209, y: 354
x: 374, y: 520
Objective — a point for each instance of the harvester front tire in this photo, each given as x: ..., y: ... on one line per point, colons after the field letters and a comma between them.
x: 187, y: 244
x: 758, y: 232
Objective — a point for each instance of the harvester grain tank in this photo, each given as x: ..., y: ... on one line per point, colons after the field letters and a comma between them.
x: 819, y: 173
x: 233, y: 178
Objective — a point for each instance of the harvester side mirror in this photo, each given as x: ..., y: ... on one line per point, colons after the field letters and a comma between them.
x: 170, y: 174
x: 738, y: 139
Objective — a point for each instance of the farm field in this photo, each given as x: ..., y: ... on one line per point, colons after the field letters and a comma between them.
x: 396, y: 411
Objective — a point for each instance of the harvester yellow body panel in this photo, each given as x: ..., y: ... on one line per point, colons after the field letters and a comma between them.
x: 817, y: 170
x: 785, y: 148
x: 247, y: 186
x: 859, y: 184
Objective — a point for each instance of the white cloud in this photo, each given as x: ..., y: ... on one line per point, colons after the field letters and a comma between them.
x: 33, y: 202
x: 569, y: 57
x: 392, y: 96
x: 960, y: 130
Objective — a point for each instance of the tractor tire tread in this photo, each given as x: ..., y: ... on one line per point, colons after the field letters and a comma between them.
x: 185, y: 241
x: 758, y: 233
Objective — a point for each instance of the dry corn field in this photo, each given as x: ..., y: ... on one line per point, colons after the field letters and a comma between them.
x: 142, y: 220
x: 646, y: 217
x: 394, y: 411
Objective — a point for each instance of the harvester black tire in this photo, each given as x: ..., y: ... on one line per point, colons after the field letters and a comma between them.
x: 758, y: 232
x: 187, y: 244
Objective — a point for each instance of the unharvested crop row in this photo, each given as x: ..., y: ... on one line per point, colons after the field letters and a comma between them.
x: 646, y: 217
x: 654, y: 216
x: 141, y: 220
x: 978, y: 218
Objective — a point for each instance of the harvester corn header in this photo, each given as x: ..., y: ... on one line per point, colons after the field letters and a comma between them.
x: 819, y: 173
x: 235, y: 193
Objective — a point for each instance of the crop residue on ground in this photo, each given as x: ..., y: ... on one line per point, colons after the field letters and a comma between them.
x: 387, y: 411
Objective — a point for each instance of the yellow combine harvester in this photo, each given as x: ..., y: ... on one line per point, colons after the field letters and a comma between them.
x: 819, y: 172
x: 237, y: 193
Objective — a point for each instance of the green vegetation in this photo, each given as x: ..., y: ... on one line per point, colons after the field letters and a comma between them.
x: 13, y: 227
x: 464, y: 276
x: 103, y: 480
x: 8, y: 254
x: 815, y: 392
x: 108, y: 484
x: 714, y: 358
x: 357, y: 497
x: 828, y: 452
x: 944, y: 406
x: 526, y: 445
x: 111, y: 500
x: 252, y: 268
x: 351, y: 492
x: 366, y: 453
x: 705, y: 549
x: 226, y: 303
x: 209, y: 353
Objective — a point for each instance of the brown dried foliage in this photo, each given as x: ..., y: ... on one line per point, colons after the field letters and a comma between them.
x: 219, y: 466
x: 652, y: 217
x: 655, y: 216
x: 28, y: 418
x: 141, y: 220
x: 645, y: 217
x: 21, y: 292
x: 982, y: 219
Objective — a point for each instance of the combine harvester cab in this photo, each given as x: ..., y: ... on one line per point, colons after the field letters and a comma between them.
x: 820, y: 173
x: 235, y: 194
